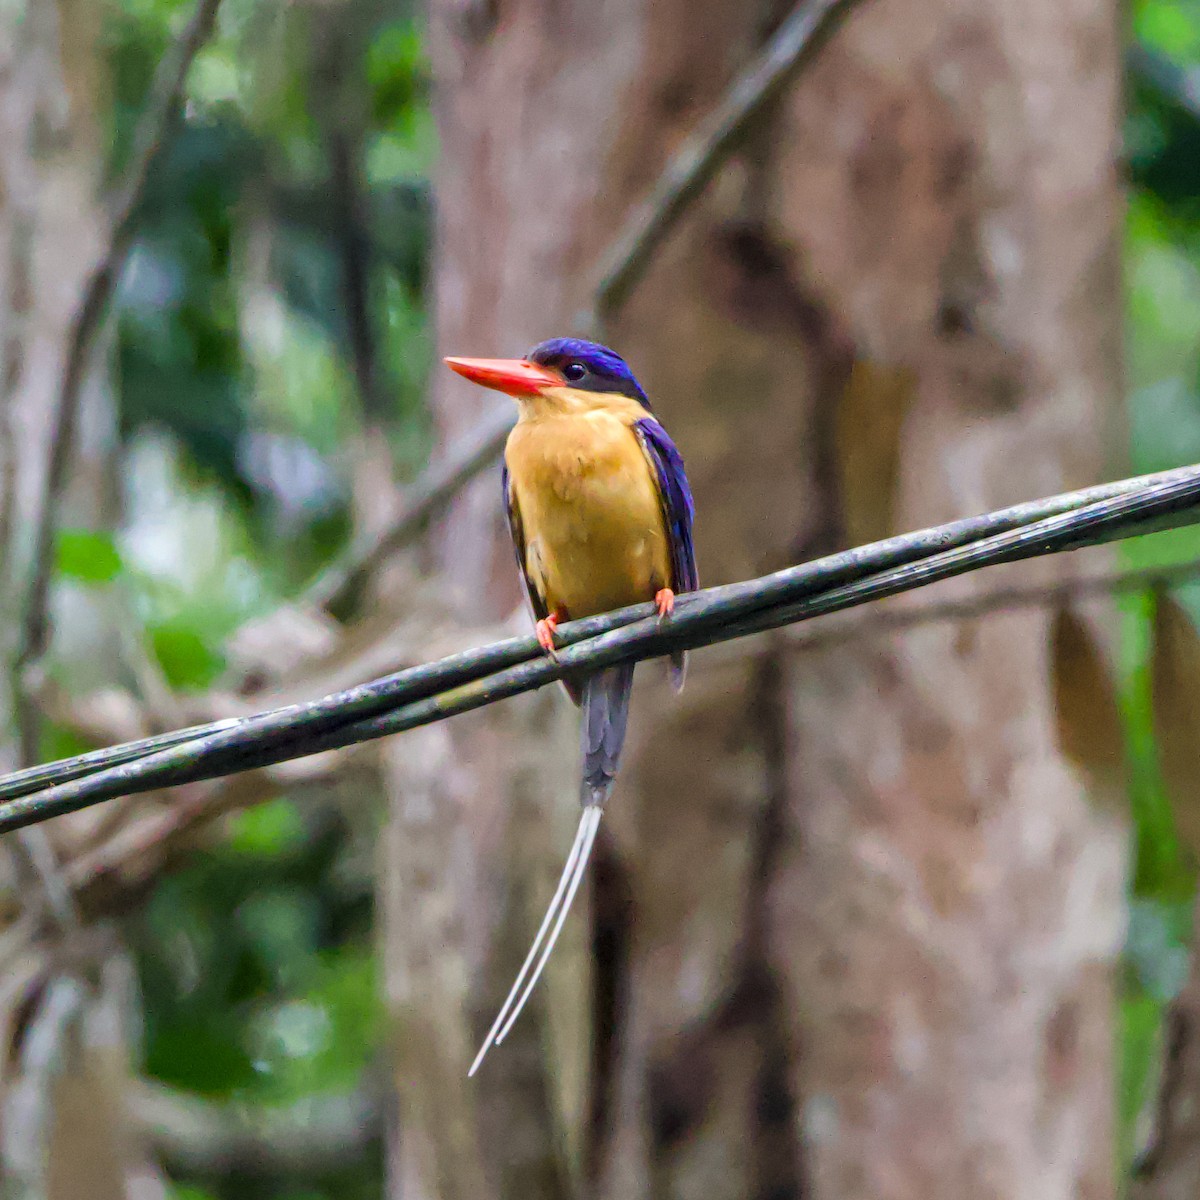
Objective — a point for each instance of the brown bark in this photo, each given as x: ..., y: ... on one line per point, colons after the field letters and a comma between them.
x: 946, y: 915
x: 853, y: 921
x: 64, y: 1007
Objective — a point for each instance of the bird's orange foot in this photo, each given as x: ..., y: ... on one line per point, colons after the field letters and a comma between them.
x: 545, y: 633
x: 664, y: 601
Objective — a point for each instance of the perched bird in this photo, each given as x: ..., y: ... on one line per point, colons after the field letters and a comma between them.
x: 601, y: 517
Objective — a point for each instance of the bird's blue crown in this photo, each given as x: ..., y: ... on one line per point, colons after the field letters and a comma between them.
x: 589, y: 366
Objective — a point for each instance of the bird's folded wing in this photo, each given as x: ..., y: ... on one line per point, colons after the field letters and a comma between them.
x: 676, y: 498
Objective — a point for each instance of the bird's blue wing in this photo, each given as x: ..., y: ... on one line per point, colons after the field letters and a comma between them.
x: 678, y: 512
x: 676, y: 497
x: 537, y: 602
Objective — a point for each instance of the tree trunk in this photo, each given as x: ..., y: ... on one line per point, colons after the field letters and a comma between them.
x: 67, y: 993
x: 852, y: 922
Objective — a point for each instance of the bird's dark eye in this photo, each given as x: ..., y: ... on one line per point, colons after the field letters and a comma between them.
x: 575, y: 371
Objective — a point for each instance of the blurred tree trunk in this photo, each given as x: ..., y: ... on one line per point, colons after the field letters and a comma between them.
x: 67, y: 992
x: 853, y: 921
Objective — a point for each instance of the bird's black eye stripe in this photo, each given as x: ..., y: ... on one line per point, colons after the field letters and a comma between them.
x: 575, y: 371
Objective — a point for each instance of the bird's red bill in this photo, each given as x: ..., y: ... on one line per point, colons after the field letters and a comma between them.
x: 515, y: 376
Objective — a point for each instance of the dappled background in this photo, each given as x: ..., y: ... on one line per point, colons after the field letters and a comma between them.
x: 898, y: 301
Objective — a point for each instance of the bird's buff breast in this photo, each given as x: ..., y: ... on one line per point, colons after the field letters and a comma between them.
x: 590, y: 509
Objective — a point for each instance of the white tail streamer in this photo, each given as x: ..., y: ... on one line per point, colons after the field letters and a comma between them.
x: 568, y: 882
x: 591, y: 821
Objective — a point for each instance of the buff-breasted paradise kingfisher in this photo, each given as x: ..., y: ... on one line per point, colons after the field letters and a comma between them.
x: 601, y: 516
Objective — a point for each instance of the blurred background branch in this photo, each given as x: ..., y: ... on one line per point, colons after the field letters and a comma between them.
x: 200, y: 1137
x: 694, y: 165
x: 149, y: 145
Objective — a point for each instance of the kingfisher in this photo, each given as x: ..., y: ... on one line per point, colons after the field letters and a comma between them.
x: 601, y: 515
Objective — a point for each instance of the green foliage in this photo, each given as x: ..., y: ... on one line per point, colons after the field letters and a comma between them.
x: 265, y: 930
x: 185, y: 1191
x: 1138, y: 1033
x: 1172, y: 26
x: 233, y: 310
x: 187, y: 660
x: 86, y: 556
x: 257, y: 968
x: 397, y: 72
x: 239, y: 388
x: 1163, y: 291
x: 267, y: 831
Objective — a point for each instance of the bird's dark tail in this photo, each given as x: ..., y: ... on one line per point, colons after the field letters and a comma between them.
x: 605, y: 707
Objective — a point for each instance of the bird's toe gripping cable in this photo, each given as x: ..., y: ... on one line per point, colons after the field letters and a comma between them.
x: 545, y: 632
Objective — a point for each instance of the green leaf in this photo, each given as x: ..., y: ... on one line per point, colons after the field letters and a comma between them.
x: 187, y: 661
x: 1172, y: 27
x: 185, y: 1191
x: 87, y: 557
x: 196, y: 1052
x: 1140, y: 1021
x: 267, y: 829
x: 396, y: 70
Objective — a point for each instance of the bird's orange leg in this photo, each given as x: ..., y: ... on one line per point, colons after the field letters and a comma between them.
x: 664, y: 601
x: 545, y: 631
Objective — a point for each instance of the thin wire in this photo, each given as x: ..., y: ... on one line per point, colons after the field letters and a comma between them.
x: 36, y: 778
x: 381, y: 695
x: 462, y: 683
